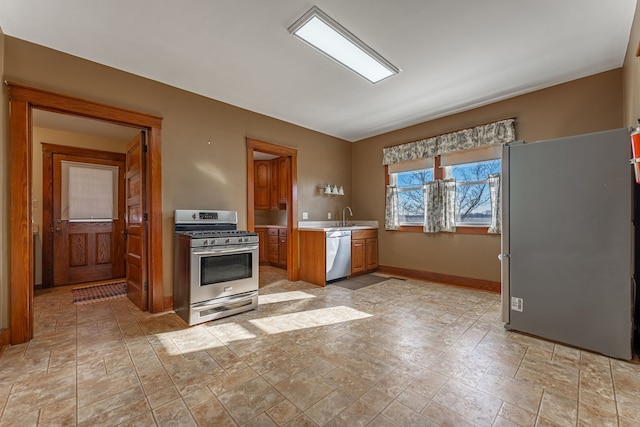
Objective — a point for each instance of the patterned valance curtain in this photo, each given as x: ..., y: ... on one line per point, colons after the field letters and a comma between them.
x: 496, y: 203
x: 391, y: 221
x: 440, y: 206
x: 500, y: 132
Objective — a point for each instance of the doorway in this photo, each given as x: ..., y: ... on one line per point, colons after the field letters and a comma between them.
x: 22, y: 101
x: 83, y: 197
x: 288, y: 197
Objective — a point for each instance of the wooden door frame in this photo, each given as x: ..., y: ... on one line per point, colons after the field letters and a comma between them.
x: 22, y: 100
x: 293, y: 269
x: 48, y: 151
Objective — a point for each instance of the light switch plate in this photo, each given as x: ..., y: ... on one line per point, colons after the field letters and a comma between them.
x: 305, y: 215
x: 329, y: 215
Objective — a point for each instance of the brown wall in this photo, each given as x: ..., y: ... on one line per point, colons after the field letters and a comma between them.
x: 581, y: 106
x: 631, y: 78
x: 196, y: 174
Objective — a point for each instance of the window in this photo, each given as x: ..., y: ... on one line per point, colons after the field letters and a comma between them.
x: 473, y: 202
x: 89, y: 191
x: 410, y: 177
x: 411, y: 194
x: 471, y: 170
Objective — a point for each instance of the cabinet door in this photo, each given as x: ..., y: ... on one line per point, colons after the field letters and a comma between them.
x: 357, y: 256
x: 262, y: 245
x: 274, y: 184
x: 262, y: 187
x: 283, y: 180
x: 282, y: 246
x: 371, y: 249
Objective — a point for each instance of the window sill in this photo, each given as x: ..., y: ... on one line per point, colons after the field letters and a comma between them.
x: 459, y: 230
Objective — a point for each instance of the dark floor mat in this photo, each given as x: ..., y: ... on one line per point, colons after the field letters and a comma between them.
x: 359, y: 282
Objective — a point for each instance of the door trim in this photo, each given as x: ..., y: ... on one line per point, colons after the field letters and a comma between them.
x: 22, y: 99
x: 48, y: 150
x: 293, y: 270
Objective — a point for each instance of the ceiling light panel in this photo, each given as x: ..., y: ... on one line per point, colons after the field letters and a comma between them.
x: 320, y: 31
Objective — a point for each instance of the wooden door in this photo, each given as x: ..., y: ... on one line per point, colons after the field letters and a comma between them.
x: 136, y: 230
x: 83, y: 247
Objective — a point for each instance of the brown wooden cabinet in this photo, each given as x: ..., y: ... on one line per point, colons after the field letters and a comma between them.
x: 273, y: 190
x: 262, y: 245
x: 277, y: 246
x: 357, y: 255
x: 313, y: 256
x: 272, y: 183
x: 273, y: 248
x: 262, y: 184
x: 284, y: 181
x: 282, y: 247
x: 364, y: 251
x: 313, y: 249
x: 371, y: 253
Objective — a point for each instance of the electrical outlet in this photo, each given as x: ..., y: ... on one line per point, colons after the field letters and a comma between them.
x: 516, y: 304
x: 305, y: 215
x: 329, y: 215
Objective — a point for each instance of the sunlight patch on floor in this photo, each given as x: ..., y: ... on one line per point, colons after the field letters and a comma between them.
x: 283, y: 296
x: 308, y: 319
x: 228, y: 332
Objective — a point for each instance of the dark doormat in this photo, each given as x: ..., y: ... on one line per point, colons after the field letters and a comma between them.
x: 359, y: 282
x: 91, y: 294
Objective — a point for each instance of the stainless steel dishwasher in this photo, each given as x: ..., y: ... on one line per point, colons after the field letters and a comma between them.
x: 338, y: 249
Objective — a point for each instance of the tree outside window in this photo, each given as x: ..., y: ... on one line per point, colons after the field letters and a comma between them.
x: 473, y: 202
x: 411, y: 195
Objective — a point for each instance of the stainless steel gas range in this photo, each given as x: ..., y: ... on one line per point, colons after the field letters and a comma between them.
x: 216, y: 266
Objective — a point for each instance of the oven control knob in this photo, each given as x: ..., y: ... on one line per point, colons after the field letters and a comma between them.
x: 228, y: 241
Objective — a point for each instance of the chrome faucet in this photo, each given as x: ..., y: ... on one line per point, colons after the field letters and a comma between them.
x: 344, y: 221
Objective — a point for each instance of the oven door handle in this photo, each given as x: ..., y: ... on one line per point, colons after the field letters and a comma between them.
x: 223, y: 301
x: 226, y: 251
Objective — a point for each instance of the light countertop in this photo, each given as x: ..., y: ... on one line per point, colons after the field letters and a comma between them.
x: 337, y: 225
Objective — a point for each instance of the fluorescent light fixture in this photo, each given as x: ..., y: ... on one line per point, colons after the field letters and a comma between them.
x: 323, y: 33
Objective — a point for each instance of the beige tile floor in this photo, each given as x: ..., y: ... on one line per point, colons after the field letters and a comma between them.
x: 397, y: 353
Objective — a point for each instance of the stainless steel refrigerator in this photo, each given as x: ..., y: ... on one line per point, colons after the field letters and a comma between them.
x: 567, y: 241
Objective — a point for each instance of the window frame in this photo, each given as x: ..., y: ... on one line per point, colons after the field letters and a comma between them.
x: 447, y: 172
x: 405, y: 189
x: 438, y: 173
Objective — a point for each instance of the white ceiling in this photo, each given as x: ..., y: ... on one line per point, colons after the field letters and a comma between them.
x: 454, y: 54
